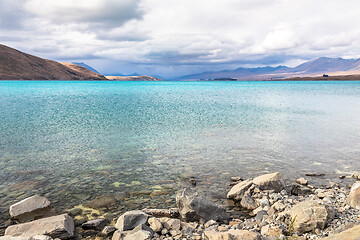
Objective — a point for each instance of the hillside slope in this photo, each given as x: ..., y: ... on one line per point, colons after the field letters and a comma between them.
x: 16, y: 65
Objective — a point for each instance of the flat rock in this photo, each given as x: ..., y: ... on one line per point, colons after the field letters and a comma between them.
x: 131, y: 219
x: 354, y: 197
x: 31, y: 208
x: 350, y: 234
x: 271, y: 181
x: 310, y: 215
x: 60, y: 226
x: 237, y: 192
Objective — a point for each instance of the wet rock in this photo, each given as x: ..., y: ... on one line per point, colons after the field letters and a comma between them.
x: 272, y: 181
x: 171, y: 212
x: 354, y: 197
x: 315, y: 174
x: 236, y: 179
x: 237, y: 192
x: 31, y: 208
x: 302, y: 181
x: 131, y: 219
x: 61, y: 226
x: 310, y: 215
x: 155, y: 224
x: 108, y: 230
x: 192, y: 207
x: 96, y: 224
x: 192, y: 181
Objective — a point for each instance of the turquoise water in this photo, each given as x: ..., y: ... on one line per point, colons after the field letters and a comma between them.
x: 73, y: 141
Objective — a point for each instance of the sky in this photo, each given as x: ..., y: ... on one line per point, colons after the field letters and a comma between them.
x: 170, y: 38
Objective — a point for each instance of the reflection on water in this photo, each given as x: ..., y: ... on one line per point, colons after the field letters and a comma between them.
x: 135, y: 143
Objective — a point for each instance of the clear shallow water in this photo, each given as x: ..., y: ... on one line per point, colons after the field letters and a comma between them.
x: 73, y: 141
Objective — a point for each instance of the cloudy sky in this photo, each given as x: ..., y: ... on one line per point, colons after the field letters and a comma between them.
x: 177, y: 37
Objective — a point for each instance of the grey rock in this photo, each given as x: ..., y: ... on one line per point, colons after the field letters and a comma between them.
x: 31, y: 208
x: 193, y: 207
x: 61, y: 226
x: 248, y: 202
x: 131, y: 219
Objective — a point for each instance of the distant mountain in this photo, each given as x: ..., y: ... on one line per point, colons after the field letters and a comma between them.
x: 16, y: 65
x: 316, y: 67
x: 82, y: 64
x: 133, y: 78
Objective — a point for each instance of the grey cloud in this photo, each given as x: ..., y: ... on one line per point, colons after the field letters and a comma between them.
x: 105, y: 14
x: 12, y: 14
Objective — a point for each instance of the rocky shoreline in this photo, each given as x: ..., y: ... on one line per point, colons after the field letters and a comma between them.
x: 266, y: 207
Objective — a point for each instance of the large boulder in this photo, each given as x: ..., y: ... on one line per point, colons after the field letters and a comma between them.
x: 354, y: 197
x: 61, y: 226
x: 193, y: 206
x: 350, y: 234
x: 237, y: 192
x: 311, y: 215
x: 271, y: 181
x: 231, y: 235
x: 31, y: 208
x: 131, y: 219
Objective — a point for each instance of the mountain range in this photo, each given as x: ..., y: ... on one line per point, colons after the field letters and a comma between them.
x: 313, y: 68
x: 16, y: 65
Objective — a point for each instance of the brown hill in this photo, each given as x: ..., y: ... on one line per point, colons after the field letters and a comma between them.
x: 16, y: 65
x: 133, y: 78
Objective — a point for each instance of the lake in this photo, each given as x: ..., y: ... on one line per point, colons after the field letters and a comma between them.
x: 141, y: 141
